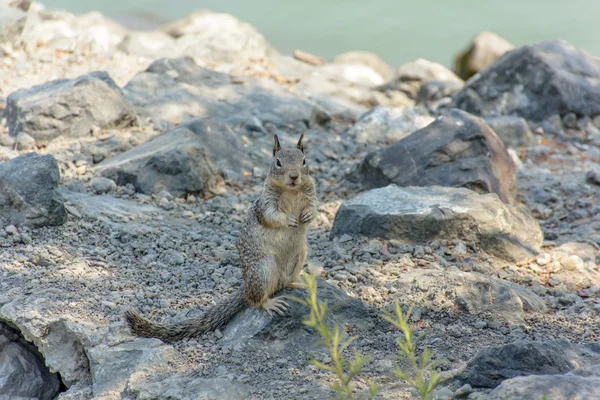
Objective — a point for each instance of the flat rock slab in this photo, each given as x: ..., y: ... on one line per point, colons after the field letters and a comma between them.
x: 456, y: 150
x: 188, y: 159
x: 187, y: 387
x: 553, y: 387
x: 386, y: 125
x: 255, y: 329
x: 29, y: 191
x: 536, y: 82
x: 422, y: 214
x: 469, y: 292
x: 175, y: 90
x: 494, y: 364
x: 69, y: 107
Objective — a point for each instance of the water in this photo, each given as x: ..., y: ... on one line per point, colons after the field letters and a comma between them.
x: 396, y: 30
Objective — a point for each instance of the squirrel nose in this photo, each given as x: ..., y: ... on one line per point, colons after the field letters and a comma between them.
x: 294, y: 176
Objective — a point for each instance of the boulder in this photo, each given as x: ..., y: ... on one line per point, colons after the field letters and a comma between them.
x: 13, y: 17
x: 469, y: 292
x: 410, y: 76
x: 366, y: 58
x: 513, y: 131
x: 491, y: 365
x: 421, y: 214
x: 175, y: 90
x: 189, y: 159
x: 214, y: 38
x: 536, y: 82
x: 456, y: 150
x: 255, y: 330
x: 484, y: 49
x: 385, y: 125
x: 187, y: 387
x: 548, y: 387
x: 29, y: 191
x: 69, y: 107
x: 23, y: 373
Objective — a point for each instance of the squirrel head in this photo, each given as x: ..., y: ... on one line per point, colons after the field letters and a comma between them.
x: 288, y: 167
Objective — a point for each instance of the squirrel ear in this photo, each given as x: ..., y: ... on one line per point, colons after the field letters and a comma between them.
x: 300, y: 145
x: 276, y: 145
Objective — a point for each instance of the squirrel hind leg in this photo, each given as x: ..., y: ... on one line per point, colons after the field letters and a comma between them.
x: 275, y: 305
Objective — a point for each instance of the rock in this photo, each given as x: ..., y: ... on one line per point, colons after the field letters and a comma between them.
x: 456, y: 150
x: 536, y: 82
x: 513, y: 131
x: 76, y: 187
x: 187, y: 387
x: 387, y: 124
x: 254, y: 329
x: 185, y: 160
x: 410, y: 76
x: 152, y: 44
x: 100, y: 185
x: 13, y: 16
x: 491, y: 365
x: 366, y: 58
x: 572, y: 263
x: 59, y: 30
x: 593, y: 177
x: 431, y: 92
x: 68, y: 107
x: 549, y: 387
x: 178, y: 90
x: 112, y: 366
x: 24, y: 375
x: 28, y: 191
x: 470, y: 292
x: 484, y: 49
x: 24, y: 142
x: 420, y: 215
x: 214, y: 38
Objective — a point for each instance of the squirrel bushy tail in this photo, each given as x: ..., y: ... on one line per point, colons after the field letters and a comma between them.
x: 212, y: 319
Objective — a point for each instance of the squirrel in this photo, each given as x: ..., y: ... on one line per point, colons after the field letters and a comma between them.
x: 271, y: 244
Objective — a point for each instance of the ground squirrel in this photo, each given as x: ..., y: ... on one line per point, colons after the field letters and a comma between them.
x: 271, y: 244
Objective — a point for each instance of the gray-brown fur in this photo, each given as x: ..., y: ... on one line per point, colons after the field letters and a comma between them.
x: 272, y: 248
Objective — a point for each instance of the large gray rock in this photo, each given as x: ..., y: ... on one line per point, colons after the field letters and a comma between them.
x: 491, y: 365
x: 215, y: 38
x: 456, y: 150
x: 189, y: 159
x: 13, y: 16
x: 28, y: 191
x: 535, y: 82
x: 178, y: 89
x: 187, y: 387
x: 469, y: 292
x: 255, y: 330
x: 484, y: 49
x: 385, y: 125
x: 421, y: 214
x: 553, y: 387
x: 112, y: 366
x: 23, y: 373
x: 69, y: 107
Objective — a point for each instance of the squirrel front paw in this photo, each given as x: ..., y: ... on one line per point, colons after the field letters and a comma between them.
x: 307, y: 215
x: 292, y: 221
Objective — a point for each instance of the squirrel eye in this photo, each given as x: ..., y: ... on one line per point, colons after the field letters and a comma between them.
x: 304, y: 161
x: 278, y: 163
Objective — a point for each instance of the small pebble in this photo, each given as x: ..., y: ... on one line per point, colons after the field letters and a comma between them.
x: 101, y: 185
x: 543, y: 259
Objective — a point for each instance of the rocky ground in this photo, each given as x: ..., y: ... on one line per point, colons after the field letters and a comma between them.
x: 475, y: 202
